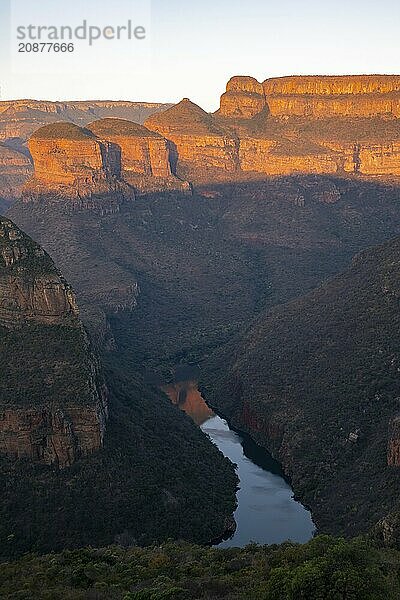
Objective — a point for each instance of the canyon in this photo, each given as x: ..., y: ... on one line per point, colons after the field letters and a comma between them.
x: 80, y: 450
x: 291, y: 125
x: 198, y: 238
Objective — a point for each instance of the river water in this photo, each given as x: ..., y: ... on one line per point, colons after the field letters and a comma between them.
x: 267, y: 512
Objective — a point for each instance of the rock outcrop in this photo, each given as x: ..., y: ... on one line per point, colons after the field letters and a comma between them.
x: 19, y: 119
x: 143, y: 151
x: 145, y: 154
x: 198, y: 142
x: 244, y: 98
x: 313, y: 96
x: 70, y: 161
x: 53, y: 404
x: 108, y: 161
x: 315, y: 124
x: 31, y: 289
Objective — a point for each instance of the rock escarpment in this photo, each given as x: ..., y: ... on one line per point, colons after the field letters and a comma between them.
x: 53, y: 404
x: 70, y: 161
x: 283, y: 126
x: 108, y: 161
x: 198, y: 142
x: 244, y: 98
x: 145, y: 154
x: 19, y: 119
x: 313, y: 96
x: 315, y: 124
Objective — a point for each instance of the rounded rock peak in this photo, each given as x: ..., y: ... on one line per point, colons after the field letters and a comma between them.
x: 185, y: 117
x: 184, y: 109
x: 119, y: 127
x: 62, y: 130
x: 244, y: 83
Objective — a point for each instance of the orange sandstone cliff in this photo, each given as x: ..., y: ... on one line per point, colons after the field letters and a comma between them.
x: 70, y: 161
x: 144, y: 154
x: 53, y: 403
x: 197, y: 141
x: 315, y: 124
x: 289, y: 125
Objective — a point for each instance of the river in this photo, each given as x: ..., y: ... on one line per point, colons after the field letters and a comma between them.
x: 267, y: 512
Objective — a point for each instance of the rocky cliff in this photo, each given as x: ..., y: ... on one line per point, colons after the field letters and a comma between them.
x: 109, y: 160
x: 15, y: 168
x: 144, y: 154
x: 53, y: 405
x: 70, y: 161
x: 315, y: 124
x: 283, y: 126
x: 19, y: 119
x: 198, y: 143
x: 313, y: 96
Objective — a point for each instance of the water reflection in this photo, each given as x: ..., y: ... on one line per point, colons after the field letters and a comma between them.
x: 186, y: 395
x: 267, y: 512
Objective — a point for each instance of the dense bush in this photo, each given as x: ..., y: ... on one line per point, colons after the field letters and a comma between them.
x: 323, y: 569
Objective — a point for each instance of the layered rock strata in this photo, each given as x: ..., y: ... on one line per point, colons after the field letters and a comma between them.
x: 145, y: 154
x: 197, y: 141
x: 351, y: 122
x: 71, y: 161
x: 53, y: 403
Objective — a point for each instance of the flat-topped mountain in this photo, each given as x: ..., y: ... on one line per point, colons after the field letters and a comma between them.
x: 313, y: 96
x: 71, y: 161
x: 109, y: 159
x: 19, y: 119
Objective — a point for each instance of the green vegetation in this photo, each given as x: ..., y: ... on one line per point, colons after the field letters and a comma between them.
x: 61, y: 130
x: 123, y: 127
x: 45, y: 365
x: 322, y: 374
x: 157, y: 477
x: 323, y: 569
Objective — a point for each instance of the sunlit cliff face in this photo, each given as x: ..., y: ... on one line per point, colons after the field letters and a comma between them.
x: 186, y: 395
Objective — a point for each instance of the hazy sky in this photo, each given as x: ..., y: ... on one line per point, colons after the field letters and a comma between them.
x: 193, y: 47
